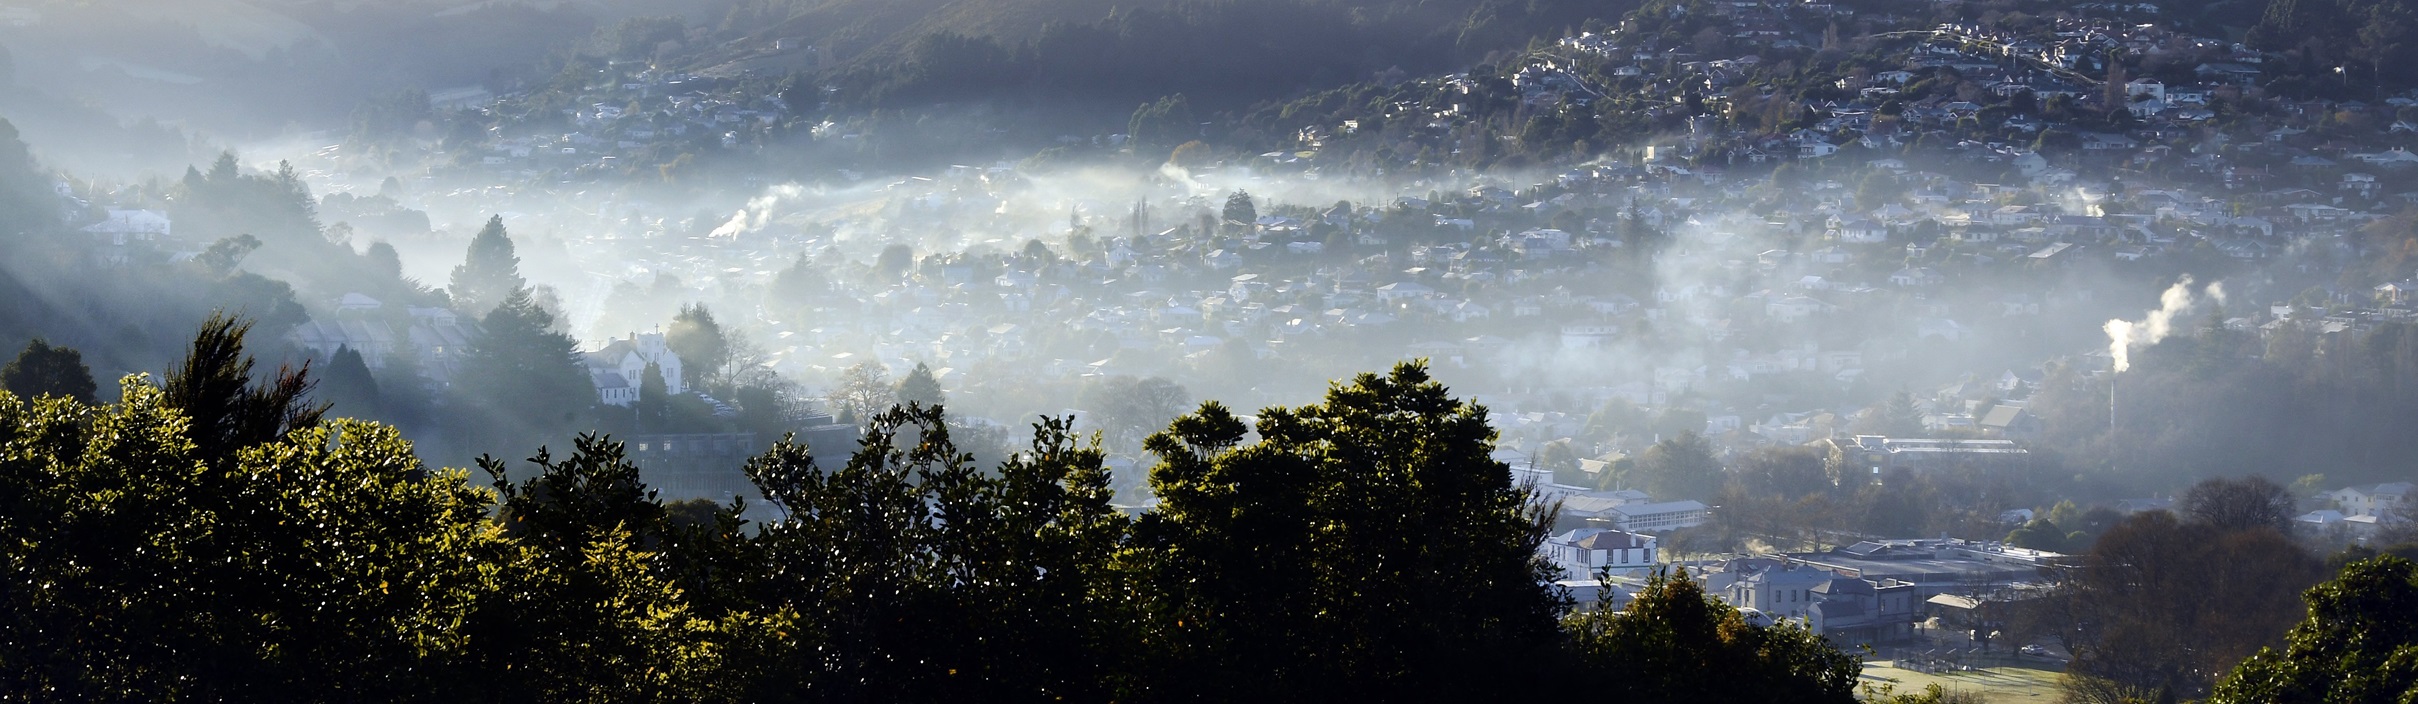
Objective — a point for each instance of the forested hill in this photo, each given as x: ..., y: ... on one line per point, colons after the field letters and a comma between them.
x: 1220, y: 51
x: 856, y: 27
x: 862, y: 27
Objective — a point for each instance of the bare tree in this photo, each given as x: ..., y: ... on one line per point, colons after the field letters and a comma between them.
x: 2238, y: 504
x: 863, y: 391
x: 1131, y: 408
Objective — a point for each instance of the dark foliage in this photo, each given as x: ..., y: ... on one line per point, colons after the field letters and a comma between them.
x: 2239, y: 504
x: 1675, y: 633
x: 45, y: 370
x: 521, y: 380
x: 1221, y: 53
x: 228, y: 411
x: 1366, y: 545
x: 489, y: 273
x: 2164, y: 605
x: 2359, y: 643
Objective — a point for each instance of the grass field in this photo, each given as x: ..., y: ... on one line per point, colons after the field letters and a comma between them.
x: 2014, y: 685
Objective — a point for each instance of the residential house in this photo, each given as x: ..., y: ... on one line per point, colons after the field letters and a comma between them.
x: 627, y: 359
x: 2372, y: 499
x: 1586, y: 552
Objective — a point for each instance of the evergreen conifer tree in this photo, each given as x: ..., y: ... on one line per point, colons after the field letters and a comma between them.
x: 521, y: 381
x: 226, y: 410
x: 347, y: 386
x: 699, y: 341
x: 920, y: 387
x: 489, y: 273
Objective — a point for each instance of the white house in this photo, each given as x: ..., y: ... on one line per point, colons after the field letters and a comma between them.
x: 1916, y: 276
x: 2372, y: 499
x: 626, y: 359
x: 124, y: 226
x: 1783, y: 591
x: 1861, y: 231
x: 611, y: 388
x: 1402, y: 291
x: 1585, y: 552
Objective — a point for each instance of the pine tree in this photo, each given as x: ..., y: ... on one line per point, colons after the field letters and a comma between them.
x: 699, y: 341
x: 522, y: 381
x: 1240, y: 208
x: 347, y: 386
x: 490, y: 271
x: 226, y: 410
x: 920, y: 387
x: 654, y: 398
x: 224, y: 171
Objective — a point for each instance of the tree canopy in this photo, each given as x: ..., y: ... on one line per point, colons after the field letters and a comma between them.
x: 703, y: 348
x: 1364, y: 545
x: 489, y: 272
x: 920, y: 387
x: 521, y: 380
x: 43, y: 369
x: 2358, y: 644
x: 1673, y: 635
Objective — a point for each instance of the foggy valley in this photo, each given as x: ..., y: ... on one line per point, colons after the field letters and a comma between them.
x: 747, y: 350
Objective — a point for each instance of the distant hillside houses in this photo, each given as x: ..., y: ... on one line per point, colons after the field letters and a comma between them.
x: 2362, y: 512
x: 435, y: 339
x: 1874, y: 592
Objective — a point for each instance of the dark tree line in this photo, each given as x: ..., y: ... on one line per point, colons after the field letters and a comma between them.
x: 2358, y: 644
x: 2164, y: 603
x: 1362, y: 546
x: 2212, y: 403
x: 1222, y: 53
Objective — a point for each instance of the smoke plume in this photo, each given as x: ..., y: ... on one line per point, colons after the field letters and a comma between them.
x: 2124, y: 335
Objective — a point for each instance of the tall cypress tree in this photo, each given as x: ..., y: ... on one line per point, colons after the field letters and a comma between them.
x: 522, y: 381
x: 654, y: 398
x: 489, y: 273
x: 347, y: 386
x: 703, y: 348
x: 920, y: 387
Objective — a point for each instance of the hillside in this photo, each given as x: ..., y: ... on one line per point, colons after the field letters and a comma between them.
x: 859, y: 28
x: 1228, y: 53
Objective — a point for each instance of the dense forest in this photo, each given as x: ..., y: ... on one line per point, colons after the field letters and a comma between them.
x: 215, y: 536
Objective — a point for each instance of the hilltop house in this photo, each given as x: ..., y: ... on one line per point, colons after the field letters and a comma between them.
x: 617, y: 367
x: 1585, y: 552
